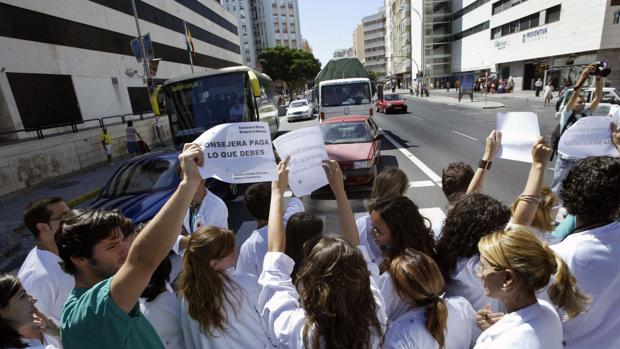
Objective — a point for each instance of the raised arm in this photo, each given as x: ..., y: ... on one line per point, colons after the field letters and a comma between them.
x: 275, y: 225
x: 528, y: 201
x: 578, y: 85
x: 494, y: 140
x: 598, y: 93
x: 155, y: 240
x: 347, y: 220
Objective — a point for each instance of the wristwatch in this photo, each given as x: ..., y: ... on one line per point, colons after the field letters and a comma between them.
x: 484, y: 164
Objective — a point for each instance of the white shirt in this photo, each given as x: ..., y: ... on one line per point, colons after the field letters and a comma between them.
x: 594, y: 258
x: 253, y: 250
x: 364, y: 226
x: 535, y: 327
x: 244, y: 328
x: 282, y: 314
x: 43, y: 278
x: 36, y: 344
x: 164, y: 314
x: 465, y: 283
x: 409, y: 331
x: 394, y: 305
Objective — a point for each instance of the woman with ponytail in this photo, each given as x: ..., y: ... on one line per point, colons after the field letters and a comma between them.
x: 432, y: 321
x: 219, y: 305
x: 514, y: 264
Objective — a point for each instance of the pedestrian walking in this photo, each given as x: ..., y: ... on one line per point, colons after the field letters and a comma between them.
x: 106, y: 141
x: 548, y: 94
x: 132, y: 139
x: 538, y: 86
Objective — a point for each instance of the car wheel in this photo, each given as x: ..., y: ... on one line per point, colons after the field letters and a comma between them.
x: 404, y: 111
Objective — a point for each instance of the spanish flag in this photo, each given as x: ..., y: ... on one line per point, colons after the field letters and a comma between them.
x: 190, y: 43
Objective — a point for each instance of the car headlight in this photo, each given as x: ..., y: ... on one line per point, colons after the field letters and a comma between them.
x: 389, y: 105
x: 361, y: 164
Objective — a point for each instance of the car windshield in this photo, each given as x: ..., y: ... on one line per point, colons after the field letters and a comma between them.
x: 345, y: 94
x: 346, y: 132
x: 395, y: 97
x: 298, y: 104
x: 141, y: 177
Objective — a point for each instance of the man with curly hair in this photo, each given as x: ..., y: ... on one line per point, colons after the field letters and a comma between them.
x: 592, y: 251
x: 455, y: 179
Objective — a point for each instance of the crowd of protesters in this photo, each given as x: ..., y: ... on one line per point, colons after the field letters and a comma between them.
x: 491, y: 276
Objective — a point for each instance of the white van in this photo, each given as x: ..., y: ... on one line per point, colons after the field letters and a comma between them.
x: 342, y: 97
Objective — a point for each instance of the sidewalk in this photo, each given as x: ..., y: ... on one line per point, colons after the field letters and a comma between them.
x: 15, y: 240
x: 443, y: 97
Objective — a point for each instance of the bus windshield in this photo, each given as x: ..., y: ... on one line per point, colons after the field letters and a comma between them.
x: 345, y: 94
x: 201, y: 103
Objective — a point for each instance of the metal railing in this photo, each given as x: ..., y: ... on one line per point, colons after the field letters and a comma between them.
x: 53, y: 130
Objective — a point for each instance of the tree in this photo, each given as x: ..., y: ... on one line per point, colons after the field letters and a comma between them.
x: 292, y: 66
x: 373, y: 75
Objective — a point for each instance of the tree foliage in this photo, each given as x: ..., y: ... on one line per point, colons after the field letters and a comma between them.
x: 292, y: 66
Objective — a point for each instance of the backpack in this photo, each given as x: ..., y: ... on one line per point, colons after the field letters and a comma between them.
x: 557, y: 133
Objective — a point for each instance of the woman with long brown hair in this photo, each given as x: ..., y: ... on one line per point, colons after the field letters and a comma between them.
x: 514, y: 265
x: 219, y: 305
x: 431, y: 321
x: 335, y: 303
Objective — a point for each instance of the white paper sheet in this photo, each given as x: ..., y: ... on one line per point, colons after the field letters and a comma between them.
x: 238, y: 152
x: 590, y: 136
x: 307, y: 151
x: 519, y: 131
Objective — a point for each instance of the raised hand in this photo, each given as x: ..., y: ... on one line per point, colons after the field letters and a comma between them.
x: 494, y: 140
x: 282, y: 182
x: 334, y: 175
x: 541, y: 151
x: 191, y: 158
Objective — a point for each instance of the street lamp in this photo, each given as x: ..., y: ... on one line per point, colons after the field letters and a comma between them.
x: 422, y: 48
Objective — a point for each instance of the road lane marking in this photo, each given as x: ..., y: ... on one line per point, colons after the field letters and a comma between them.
x: 416, y: 117
x: 419, y: 184
x: 422, y: 166
x: 464, y: 135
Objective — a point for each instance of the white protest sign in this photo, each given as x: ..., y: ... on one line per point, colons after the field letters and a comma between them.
x: 238, y: 152
x: 307, y: 151
x: 614, y: 112
x: 519, y: 131
x: 589, y: 136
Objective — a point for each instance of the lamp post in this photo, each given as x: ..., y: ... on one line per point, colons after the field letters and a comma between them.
x: 147, y: 72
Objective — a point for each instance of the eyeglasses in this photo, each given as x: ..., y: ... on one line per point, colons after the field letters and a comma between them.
x: 375, y: 232
x: 480, y: 268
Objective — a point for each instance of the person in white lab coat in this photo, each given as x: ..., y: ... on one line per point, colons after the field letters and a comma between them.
x: 218, y: 304
x: 303, y: 231
x: 514, y: 264
x: 431, y: 321
x: 335, y: 303
x: 390, y: 182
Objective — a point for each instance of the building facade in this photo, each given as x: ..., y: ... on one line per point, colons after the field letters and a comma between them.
x: 374, y: 43
x: 242, y: 10
x: 68, y: 61
x: 344, y: 53
x: 399, y: 52
x: 528, y: 40
x: 276, y: 23
x: 305, y: 45
x: 358, y: 42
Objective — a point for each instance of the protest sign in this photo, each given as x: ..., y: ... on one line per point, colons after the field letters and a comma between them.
x: 307, y: 151
x: 589, y: 136
x: 614, y: 112
x: 238, y: 153
x: 519, y: 131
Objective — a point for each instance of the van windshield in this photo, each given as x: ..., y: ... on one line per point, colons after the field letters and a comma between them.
x: 345, y: 94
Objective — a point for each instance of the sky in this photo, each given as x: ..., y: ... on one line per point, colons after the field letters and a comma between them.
x: 328, y: 24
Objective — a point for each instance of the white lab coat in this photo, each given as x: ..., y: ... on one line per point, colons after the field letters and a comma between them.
x: 394, y: 306
x: 409, y: 331
x: 465, y: 283
x: 43, y: 278
x: 244, y: 324
x: 594, y: 258
x: 364, y: 225
x: 36, y: 344
x: 537, y: 326
x: 252, y: 251
x: 164, y: 314
x: 282, y: 315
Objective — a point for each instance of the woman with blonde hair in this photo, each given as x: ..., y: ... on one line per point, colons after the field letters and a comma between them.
x: 544, y: 219
x: 514, y: 265
x: 219, y: 305
x: 432, y: 320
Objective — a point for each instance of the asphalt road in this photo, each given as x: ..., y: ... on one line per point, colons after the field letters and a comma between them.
x: 421, y: 142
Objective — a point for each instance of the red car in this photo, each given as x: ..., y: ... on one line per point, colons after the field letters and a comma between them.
x: 391, y: 103
x: 355, y: 142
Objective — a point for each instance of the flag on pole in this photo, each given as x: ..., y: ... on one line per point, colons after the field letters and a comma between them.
x: 190, y: 43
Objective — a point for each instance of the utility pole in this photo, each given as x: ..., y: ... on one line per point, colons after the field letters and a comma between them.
x: 145, y: 63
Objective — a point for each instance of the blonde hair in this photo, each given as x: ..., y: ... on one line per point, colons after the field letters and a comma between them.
x: 206, y: 290
x: 543, y: 219
x: 533, y: 262
x: 390, y: 182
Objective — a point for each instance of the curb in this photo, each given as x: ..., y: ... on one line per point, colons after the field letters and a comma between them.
x: 457, y: 104
x: 83, y: 198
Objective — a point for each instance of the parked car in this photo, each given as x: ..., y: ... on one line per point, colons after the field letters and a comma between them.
x: 299, y: 110
x: 610, y: 96
x: 142, y: 186
x: 355, y: 142
x: 391, y: 102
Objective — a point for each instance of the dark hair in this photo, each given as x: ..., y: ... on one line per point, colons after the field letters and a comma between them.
x: 334, y: 290
x: 82, y: 229
x: 590, y: 190
x: 472, y: 217
x: 407, y: 226
x: 257, y: 198
x: 390, y: 182
x: 303, y: 231
x: 157, y: 284
x: 455, y: 178
x: 9, y: 337
x: 419, y: 283
x: 130, y: 123
x: 38, y: 212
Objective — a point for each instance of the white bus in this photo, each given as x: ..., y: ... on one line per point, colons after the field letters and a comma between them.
x: 343, y: 97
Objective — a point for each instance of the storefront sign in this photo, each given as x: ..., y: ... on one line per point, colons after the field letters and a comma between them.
x: 536, y: 35
x: 501, y: 44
